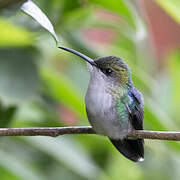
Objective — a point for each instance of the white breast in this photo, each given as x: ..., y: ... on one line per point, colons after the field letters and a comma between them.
x: 101, y: 109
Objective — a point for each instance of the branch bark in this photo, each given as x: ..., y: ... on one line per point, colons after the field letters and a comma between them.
x: 57, y: 131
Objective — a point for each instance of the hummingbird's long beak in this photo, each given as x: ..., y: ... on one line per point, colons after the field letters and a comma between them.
x: 86, y: 58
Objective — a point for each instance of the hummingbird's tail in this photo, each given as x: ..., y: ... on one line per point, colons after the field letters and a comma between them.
x: 132, y: 149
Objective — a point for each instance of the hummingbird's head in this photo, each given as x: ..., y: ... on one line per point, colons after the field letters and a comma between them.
x: 114, y: 70
x: 110, y: 69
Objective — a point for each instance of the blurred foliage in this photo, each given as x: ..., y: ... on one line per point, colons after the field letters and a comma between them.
x: 41, y: 85
x: 12, y: 32
x: 172, y: 7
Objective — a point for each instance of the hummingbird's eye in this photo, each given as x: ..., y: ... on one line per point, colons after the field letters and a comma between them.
x: 108, y: 71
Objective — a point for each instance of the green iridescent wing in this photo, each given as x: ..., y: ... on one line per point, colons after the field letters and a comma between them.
x: 131, y: 110
x: 136, y: 109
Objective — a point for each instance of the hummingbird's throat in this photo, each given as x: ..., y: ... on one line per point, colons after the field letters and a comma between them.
x: 116, y: 91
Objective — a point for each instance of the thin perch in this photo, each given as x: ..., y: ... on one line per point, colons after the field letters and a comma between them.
x: 57, y: 131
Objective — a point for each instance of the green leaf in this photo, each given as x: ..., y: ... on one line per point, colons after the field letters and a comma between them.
x: 18, y: 167
x: 62, y: 90
x: 6, y: 115
x: 11, y: 5
x: 116, y: 6
x: 35, y: 12
x: 172, y: 7
x: 157, y: 119
x: 119, y: 167
x: 174, y: 65
x: 18, y: 76
x: 69, y: 152
x: 12, y: 35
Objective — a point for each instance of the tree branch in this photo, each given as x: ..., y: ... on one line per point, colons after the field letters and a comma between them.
x: 56, y: 131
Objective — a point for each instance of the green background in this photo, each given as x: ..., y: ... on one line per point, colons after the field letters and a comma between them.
x: 42, y: 86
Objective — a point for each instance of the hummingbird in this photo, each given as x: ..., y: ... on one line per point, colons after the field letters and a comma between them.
x: 114, y: 106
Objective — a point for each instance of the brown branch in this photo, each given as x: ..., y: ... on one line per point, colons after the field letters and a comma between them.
x: 56, y: 131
